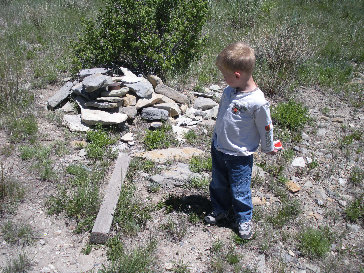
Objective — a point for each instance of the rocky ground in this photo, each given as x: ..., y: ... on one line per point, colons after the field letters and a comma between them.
x: 322, y: 189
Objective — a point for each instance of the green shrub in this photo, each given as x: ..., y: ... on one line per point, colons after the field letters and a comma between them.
x: 356, y: 176
x: 315, y: 243
x: 200, y: 164
x: 99, y: 140
x: 355, y: 210
x: 160, y: 138
x: 289, y: 211
x: 292, y: 116
x: 23, y: 129
x: 149, y: 36
x: 21, y: 234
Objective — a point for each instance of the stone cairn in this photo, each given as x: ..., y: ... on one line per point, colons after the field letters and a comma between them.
x: 108, y: 99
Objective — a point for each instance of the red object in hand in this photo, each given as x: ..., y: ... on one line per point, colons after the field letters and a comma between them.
x: 278, y: 145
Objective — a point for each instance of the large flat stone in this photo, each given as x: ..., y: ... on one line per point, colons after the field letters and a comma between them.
x: 93, y: 117
x: 60, y: 96
x: 171, y: 93
x: 152, y: 114
x: 96, y: 81
x: 101, y: 228
x: 177, y: 154
x: 74, y: 123
x: 142, y: 88
x: 149, y: 102
x: 202, y: 103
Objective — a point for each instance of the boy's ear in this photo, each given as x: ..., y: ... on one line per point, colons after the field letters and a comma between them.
x: 237, y: 74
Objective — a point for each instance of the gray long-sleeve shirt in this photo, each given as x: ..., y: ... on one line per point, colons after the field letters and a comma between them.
x: 243, y: 121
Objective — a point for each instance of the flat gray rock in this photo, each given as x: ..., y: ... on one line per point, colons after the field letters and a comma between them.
x: 151, y: 113
x: 130, y: 111
x: 202, y: 103
x: 74, y: 123
x: 87, y: 72
x: 116, y: 93
x: 93, y: 117
x: 142, y: 88
x: 96, y: 81
x: 60, y: 96
x: 171, y: 93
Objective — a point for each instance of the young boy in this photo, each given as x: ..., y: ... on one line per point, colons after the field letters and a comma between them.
x: 243, y: 121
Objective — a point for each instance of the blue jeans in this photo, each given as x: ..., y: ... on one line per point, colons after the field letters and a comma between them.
x: 230, y: 185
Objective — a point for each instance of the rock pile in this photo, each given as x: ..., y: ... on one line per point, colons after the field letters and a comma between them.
x: 108, y: 98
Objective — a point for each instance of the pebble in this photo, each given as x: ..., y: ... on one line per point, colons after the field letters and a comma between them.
x: 299, y: 162
x: 342, y: 181
x: 353, y: 227
x: 342, y: 203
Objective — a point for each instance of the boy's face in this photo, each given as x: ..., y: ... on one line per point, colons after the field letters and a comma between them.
x: 235, y: 79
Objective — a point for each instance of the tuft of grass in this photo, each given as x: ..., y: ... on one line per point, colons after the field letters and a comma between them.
x: 21, y: 234
x: 287, y: 212
x: 356, y: 176
x: 99, y: 142
x: 199, y: 183
x: 200, y: 164
x: 224, y: 258
x: 180, y: 267
x: 11, y: 192
x: 138, y: 260
x: 355, y: 210
x: 349, y: 139
x: 291, y: 115
x: 19, y: 264
x: 160, y: 139
x: 191, y: 137
x: 23, y: 129
x: 131, y: 214
x: 315, y: 243
x: 139, y: 164
x: 175, y: 228
x: 80, y: 197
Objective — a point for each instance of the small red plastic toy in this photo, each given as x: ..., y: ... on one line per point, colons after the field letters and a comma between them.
x: 278, y: 145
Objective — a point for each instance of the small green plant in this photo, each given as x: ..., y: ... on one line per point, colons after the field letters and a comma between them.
x: 20, y: 264
x: 131, y: 214
x: 199, y: 182
x: 80, y: 198
x: 315, y: 243
x: 291, y: 115
x: 288, y: 211
x: 180, y: 267
x: 23, y: 129
x: 160, y: 138
x: 200, y: 164
x: 349, y: 139
x: 356, y: 176
x: 115, y: 248
x: 11, y: 192
x: 149, y: 36
x: 175, y: 228
x: 191, y: 137
x: 138, y: 260
x: 21, y: 233
x: 355, y: 210
x: 139, y: 164
x: 99, y: 142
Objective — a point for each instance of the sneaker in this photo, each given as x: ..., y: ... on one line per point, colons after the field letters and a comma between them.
x: 213, y: 218
x: 246, y: 230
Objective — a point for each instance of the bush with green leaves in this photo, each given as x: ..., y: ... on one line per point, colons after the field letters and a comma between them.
x: 315, y: 243
x: 291, y: 116
x: 155, y: 36
x: 355, y: 210
x: 160, y: 138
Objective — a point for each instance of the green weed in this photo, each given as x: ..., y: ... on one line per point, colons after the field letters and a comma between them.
x: 191, y: 137
x: 99, y: 142
x: 355, y: 210
x: 315, y: 243
x: 287, y: 212
x: 80, y: 197
x: 160, y: 138
x: 175, y: 228
x: 22, y: 234
x: 356, y: 176
x: 349, y: 139
x: 200, y: 164
x: 138, y: 164
x: 20, y: 264
x: 11, y: 192
x: 199, y: 183
x: 138, y: 260
x: 180, y: 267
x: 131, y: 214
x: 115, y: 248
x: 23, y: 129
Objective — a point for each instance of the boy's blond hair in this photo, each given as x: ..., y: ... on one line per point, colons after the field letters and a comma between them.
x: 237, y: 56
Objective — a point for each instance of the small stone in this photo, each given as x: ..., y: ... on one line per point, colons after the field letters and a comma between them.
x: 151, y: 113
x: 204, y: 103
x: 127, y: 137
x: 74, y: 123
x: 309, y: 160
x: 168, y: 266
x: 103, y: 105
x: 293, y: 187
x: 305, y: 136
x: 215, y: 87
x: 299, y: 162
x: 42, y: 242
x: 96, y: 81
x: 321, y: 132
x: 172, y: 108
x: 68, y: 108
x: 130, y: 111
x: 129, y: 100
x: 154, y: 80
x: 319, y: 202
x: 342, y: 181
x: 308, y: 184
x: 342, y: 203
x: 257, y: 201
x: 155, y: 125
x: 353, y: 227
x: 110, y: 99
